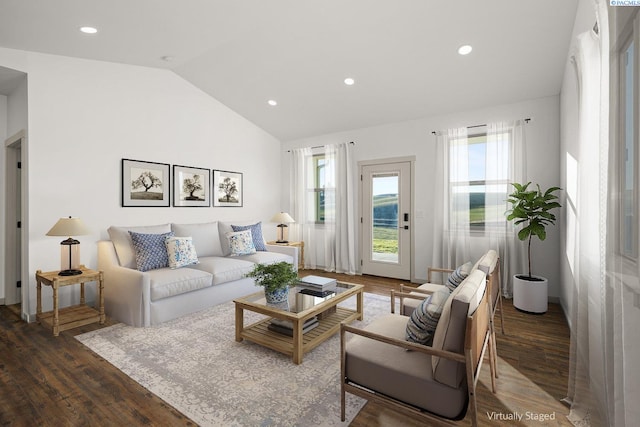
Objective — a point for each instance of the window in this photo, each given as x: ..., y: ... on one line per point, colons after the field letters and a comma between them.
x: 629, y: 174
x: 324, y: 187
x: 479, y: 180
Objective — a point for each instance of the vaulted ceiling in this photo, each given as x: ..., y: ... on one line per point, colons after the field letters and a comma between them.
x: 402, y: 54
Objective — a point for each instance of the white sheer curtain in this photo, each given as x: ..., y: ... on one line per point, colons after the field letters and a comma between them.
x: 605, y: 339
x: 329, y: 242
x: 486, y: 162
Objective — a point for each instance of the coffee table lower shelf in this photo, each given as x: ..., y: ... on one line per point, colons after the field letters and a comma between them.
x: 260, y: 334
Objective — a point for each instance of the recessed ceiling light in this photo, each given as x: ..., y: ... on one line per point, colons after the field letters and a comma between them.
x: 89, y: 30
x: 465, y: 50
x: 272, y: 102
x: 349, y: 81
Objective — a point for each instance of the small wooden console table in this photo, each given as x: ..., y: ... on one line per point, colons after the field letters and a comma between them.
x: 61, y: 319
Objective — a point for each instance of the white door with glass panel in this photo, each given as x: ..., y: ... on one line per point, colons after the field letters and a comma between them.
x: 386, y: 220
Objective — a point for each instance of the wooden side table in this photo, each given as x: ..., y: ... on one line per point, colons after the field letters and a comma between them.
x: 299, y: 245
x: 77, y: 315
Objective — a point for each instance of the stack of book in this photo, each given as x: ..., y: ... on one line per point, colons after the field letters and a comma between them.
x: 286, y: 326
x: 317, y: 282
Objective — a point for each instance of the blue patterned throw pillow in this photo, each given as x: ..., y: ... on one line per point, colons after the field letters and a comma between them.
x: 241, y: 243
x: 422, y: 323
x: 151, y: 250
x: 181, y: 251
x: 256, y: 234
x: 458, y: 276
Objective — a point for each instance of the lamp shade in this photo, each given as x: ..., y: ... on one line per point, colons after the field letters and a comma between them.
x: 282, y: 218
x: 69, y: 227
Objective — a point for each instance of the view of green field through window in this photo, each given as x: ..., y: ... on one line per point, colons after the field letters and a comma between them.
x: 385, y: 217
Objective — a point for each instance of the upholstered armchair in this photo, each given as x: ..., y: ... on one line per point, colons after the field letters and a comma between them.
x: 426, y: 381
x: 489, y: 263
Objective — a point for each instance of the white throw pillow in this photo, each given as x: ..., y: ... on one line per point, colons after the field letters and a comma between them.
x: 241, y: 243
x: 181, y: 251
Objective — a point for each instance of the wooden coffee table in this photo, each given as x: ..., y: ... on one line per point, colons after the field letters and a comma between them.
x: 299, y: 308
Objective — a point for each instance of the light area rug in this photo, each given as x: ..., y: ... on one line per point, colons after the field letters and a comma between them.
x: 195, y: 365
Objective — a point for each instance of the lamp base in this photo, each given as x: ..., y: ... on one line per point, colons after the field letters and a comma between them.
x: 70, y: 272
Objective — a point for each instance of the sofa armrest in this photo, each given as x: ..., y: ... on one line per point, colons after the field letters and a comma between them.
x: 127, y: 292
x: 292, y: 251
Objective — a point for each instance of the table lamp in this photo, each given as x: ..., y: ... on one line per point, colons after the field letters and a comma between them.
x: 69, y: 248
x: 282, y: 218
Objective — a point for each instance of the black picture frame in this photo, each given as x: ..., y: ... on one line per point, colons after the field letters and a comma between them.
x: 227, y: 189
x: 145, y: 184
x: 191, y: 186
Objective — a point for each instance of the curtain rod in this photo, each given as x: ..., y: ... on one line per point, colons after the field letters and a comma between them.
x: 321, y: 146
x: 527, y: 120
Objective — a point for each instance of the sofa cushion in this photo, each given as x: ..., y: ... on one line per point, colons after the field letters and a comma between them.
x: 150, y: 249
x: 404, y: 375
x: 224, y: 269
x: 206, y: 237
x: 124, y: 246
x: 256, y: 234
x: 266, y: 258
x: 165, y: 282
x: 424, y: 319
x: 450, y: 332
x: 241, y: 243
x: 180, y: 251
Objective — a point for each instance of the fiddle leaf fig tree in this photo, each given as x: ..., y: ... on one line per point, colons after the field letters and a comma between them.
x: 532, y: 208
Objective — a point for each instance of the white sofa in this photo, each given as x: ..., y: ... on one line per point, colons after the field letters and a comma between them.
x: 145, y: 298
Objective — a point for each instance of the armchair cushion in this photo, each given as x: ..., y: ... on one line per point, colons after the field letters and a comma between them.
x: 424, y: 319
x: 403, y: 375
x: 449, y: 334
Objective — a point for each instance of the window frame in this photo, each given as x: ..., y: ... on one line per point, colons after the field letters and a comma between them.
x: 624, y: 232
x: 474, y: 226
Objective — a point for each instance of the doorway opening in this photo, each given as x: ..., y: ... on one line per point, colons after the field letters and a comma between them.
x: 14, y: 245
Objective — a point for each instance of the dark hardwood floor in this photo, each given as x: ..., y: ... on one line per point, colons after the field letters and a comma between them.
x: 56, y: 381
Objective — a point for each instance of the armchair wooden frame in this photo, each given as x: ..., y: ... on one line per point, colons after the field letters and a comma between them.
x: 478, y: 338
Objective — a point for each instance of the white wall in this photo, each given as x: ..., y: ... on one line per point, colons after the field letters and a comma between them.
x: 85, y: 116
x: 414, y: 138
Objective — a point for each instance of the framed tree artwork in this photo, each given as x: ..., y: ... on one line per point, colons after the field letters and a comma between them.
x: 191, y: 186
x: 144, y: 183
x: 227, y: 188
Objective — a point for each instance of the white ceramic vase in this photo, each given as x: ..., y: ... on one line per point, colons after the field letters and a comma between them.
x: 530, y: 296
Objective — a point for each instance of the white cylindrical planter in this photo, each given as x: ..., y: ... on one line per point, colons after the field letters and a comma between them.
x: 530, y: 295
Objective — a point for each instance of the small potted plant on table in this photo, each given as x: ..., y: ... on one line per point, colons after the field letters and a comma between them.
x: 276, y: 279
x: 532, y: 208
